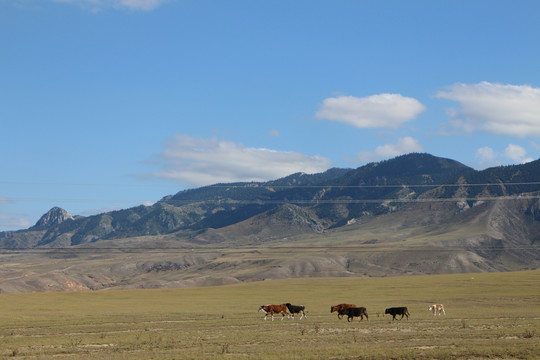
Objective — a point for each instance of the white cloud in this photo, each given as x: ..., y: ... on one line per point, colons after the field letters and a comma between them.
x: 517, y: 154
x: 404, y: 145
x: 487, y: 157
x: 376, y: 111
x: 485, y: 154
x: 11, y: 223
x: 495, y: 108
x: 141, y: 4
x: 4, y: 199
x: 200, y: 161
x: 97, y: 5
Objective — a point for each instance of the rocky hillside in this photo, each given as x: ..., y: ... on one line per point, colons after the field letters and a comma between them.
x: 414, y: 214
x: 314, y: 202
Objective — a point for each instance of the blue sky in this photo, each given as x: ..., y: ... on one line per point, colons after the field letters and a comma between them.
x: 108, y: 104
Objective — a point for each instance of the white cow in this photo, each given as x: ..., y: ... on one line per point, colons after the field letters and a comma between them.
x: 437, y: 309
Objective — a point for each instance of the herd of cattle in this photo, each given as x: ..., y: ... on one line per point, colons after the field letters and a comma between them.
x: 350, y: 310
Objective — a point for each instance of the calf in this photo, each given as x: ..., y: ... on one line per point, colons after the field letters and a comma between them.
x: 437, y: 309
x: 340, y: 307
x: 274, y: 309
x: 354, y: 312
x: 297, y: 309
x: 397, y: 311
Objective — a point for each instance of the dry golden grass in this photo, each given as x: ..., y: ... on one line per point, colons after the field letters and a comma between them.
x: 489, y: 316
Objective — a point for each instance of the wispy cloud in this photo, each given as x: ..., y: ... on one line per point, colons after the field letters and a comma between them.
x: 12, y: 223
x: 376, y: 111
x: 404, y: 145
x: 495, y: 108
x: 203, y: 161
x: 98, y: 5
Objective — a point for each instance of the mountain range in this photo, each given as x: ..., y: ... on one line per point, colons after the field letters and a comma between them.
x: 413, y: 214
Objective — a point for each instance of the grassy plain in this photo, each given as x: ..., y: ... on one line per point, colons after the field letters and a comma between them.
x: 489, y: 316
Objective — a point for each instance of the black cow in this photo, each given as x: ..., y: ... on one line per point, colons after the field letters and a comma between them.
x: 339, y: 307
x: 354, y: 312
x: 397, y: 311
x: 297, y: 309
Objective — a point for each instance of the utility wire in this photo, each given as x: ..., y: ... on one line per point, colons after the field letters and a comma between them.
x: 247, y: 250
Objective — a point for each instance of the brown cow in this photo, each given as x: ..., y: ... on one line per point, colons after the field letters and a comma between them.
x: 341, y: 307
x: 274, y: 309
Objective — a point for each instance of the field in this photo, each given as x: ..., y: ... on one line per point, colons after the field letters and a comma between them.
x: 489, y: 316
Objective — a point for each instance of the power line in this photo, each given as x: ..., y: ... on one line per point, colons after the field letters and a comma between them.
x: 288, y: 201
x: 359, y: 201
x: 244, y: 250
x: 7, y: 182
x: 268, y: 185
x: 265, y: 185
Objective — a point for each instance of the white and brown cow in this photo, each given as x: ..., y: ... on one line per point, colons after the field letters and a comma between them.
x: 437, y: 309
x: 274, y: 309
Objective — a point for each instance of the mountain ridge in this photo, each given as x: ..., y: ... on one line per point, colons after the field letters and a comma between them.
x: 335, y: 197
x: 414, y: 214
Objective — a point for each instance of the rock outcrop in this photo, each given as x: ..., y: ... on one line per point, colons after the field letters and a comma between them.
x: 55, y: 216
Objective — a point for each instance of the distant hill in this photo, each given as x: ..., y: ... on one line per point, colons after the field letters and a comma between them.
x: 416, y: 213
